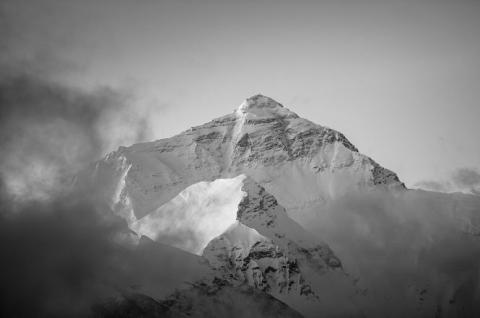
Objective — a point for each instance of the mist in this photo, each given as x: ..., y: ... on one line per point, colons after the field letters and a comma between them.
x: 49, y: 131
x: 57, y: 258
x: 465, y: 180
x: 63, y: 251
x: 408, y: 251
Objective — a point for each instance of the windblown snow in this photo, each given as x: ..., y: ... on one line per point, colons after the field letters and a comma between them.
x: 195, y: 216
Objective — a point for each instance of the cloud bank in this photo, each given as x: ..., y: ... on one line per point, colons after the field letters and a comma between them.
x: 465, y: 180
x: 48, y: 131
x: 411, y: 252
x: 61, y: 251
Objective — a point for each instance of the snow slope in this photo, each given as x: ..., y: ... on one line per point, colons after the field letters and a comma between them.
x: 268, y: 250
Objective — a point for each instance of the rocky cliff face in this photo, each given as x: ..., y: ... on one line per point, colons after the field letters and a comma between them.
x: 269, y: 251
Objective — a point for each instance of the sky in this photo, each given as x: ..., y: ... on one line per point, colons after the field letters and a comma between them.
x: 401, y: 79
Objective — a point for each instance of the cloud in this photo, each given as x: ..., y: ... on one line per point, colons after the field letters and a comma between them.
x: 61, y: 250
x: 432, y: 186
x: 63, y: 256
x: 466, y: 180
x: 48, y: 131
x: 55, y: 256
x: 399, y: 244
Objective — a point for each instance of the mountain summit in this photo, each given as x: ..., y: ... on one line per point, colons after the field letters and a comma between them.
x: 261, y: 106
x: 299, y: 162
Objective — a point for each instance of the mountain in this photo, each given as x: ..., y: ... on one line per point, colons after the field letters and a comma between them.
x: 261, y: 139
x: 275, y: 205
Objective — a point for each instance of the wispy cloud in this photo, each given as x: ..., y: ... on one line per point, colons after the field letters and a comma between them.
x: 466, y: 180
x: 49, y: 131
x: 400, y: 244
x: 60, y: 249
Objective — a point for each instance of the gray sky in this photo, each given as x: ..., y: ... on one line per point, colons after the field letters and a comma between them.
x: 401, y: 79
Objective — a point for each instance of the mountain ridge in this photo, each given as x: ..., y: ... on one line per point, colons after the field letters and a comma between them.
x: 231, y: 145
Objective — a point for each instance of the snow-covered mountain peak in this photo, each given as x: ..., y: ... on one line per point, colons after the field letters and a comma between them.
x: 260, y: 106
x: 262, y: 139
x: 257, y: 194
